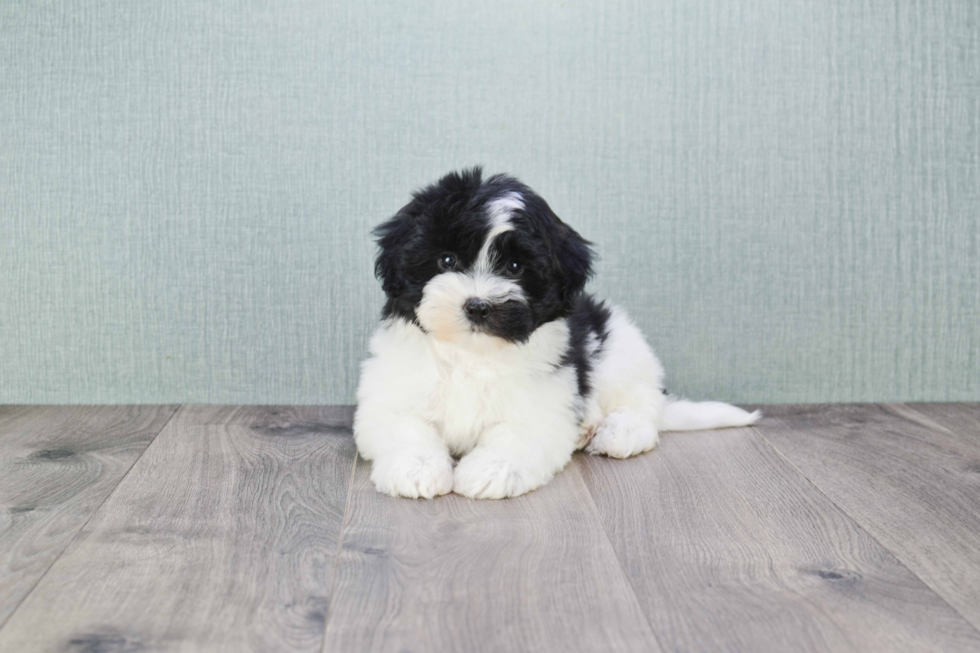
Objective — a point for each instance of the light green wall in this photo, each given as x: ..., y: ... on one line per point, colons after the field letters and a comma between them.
x: 785, y: 193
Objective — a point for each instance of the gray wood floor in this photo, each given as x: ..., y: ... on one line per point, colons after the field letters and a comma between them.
x: 206, y: 528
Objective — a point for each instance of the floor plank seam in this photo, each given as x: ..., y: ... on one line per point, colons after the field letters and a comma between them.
x: 861, y: 526
x: 340, y: 548
x: 619, y: 563
x: 924, y: 420
x: 92, y: 516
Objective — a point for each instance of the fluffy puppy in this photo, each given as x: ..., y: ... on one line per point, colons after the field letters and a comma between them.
x: 490, y: 353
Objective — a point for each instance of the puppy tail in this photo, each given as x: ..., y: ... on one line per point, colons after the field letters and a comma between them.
x: 684, y: 415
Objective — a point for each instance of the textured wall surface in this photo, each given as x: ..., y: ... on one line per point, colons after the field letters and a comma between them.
x: 785, y: 193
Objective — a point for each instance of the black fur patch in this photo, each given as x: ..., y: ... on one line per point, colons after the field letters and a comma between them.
x: 588, y: 317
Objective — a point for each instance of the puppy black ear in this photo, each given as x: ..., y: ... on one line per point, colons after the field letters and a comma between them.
x: 574, y: 259
x: 394, y: 238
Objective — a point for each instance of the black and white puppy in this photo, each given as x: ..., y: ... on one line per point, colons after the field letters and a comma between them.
x: 489, y: 351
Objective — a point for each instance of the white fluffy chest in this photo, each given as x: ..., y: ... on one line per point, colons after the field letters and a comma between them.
x: 471, y: 395
x: 464, y: 388
x: 477, y: 389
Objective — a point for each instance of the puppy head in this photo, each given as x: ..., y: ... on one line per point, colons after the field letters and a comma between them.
x: 470, y: 258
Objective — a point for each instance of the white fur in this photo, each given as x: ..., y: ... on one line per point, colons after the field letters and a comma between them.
x: 498, y: 214
x: 684, y: 415
x: 504, y: 405
x: 508, y: 409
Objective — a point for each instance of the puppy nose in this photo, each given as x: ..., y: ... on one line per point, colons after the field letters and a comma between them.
x: 478, y: 310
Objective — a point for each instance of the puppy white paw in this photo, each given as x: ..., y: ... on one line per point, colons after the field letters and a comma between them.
x: 623, y: 433
x: 486, y: 475
x: 413, y: 475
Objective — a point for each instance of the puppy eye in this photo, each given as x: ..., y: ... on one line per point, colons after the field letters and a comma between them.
x: 514, y: 268
x: 447, y: 262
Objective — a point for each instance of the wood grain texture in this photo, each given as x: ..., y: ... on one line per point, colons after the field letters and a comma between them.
x: 908, y: 480
x: 535, y: 573
x: 57, y: 465
x: 729, y: 548
x: 963, y: 418
x: 223, y: 537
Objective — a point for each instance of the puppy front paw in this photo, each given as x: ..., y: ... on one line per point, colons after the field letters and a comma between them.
x: 413, y: 475
x: 485, y: 475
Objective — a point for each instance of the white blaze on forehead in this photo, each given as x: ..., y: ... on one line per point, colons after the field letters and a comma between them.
x: 499, y: 212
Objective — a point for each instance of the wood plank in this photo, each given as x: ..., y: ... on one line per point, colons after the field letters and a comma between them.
x: 913, y: 484
x: 963, y: 418
x: 729, y: 548
x: 223, y: 537
x: 534, y: 573
x: 57, y: 465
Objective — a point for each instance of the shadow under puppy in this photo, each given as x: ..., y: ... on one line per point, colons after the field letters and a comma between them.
x: 489, y: 351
